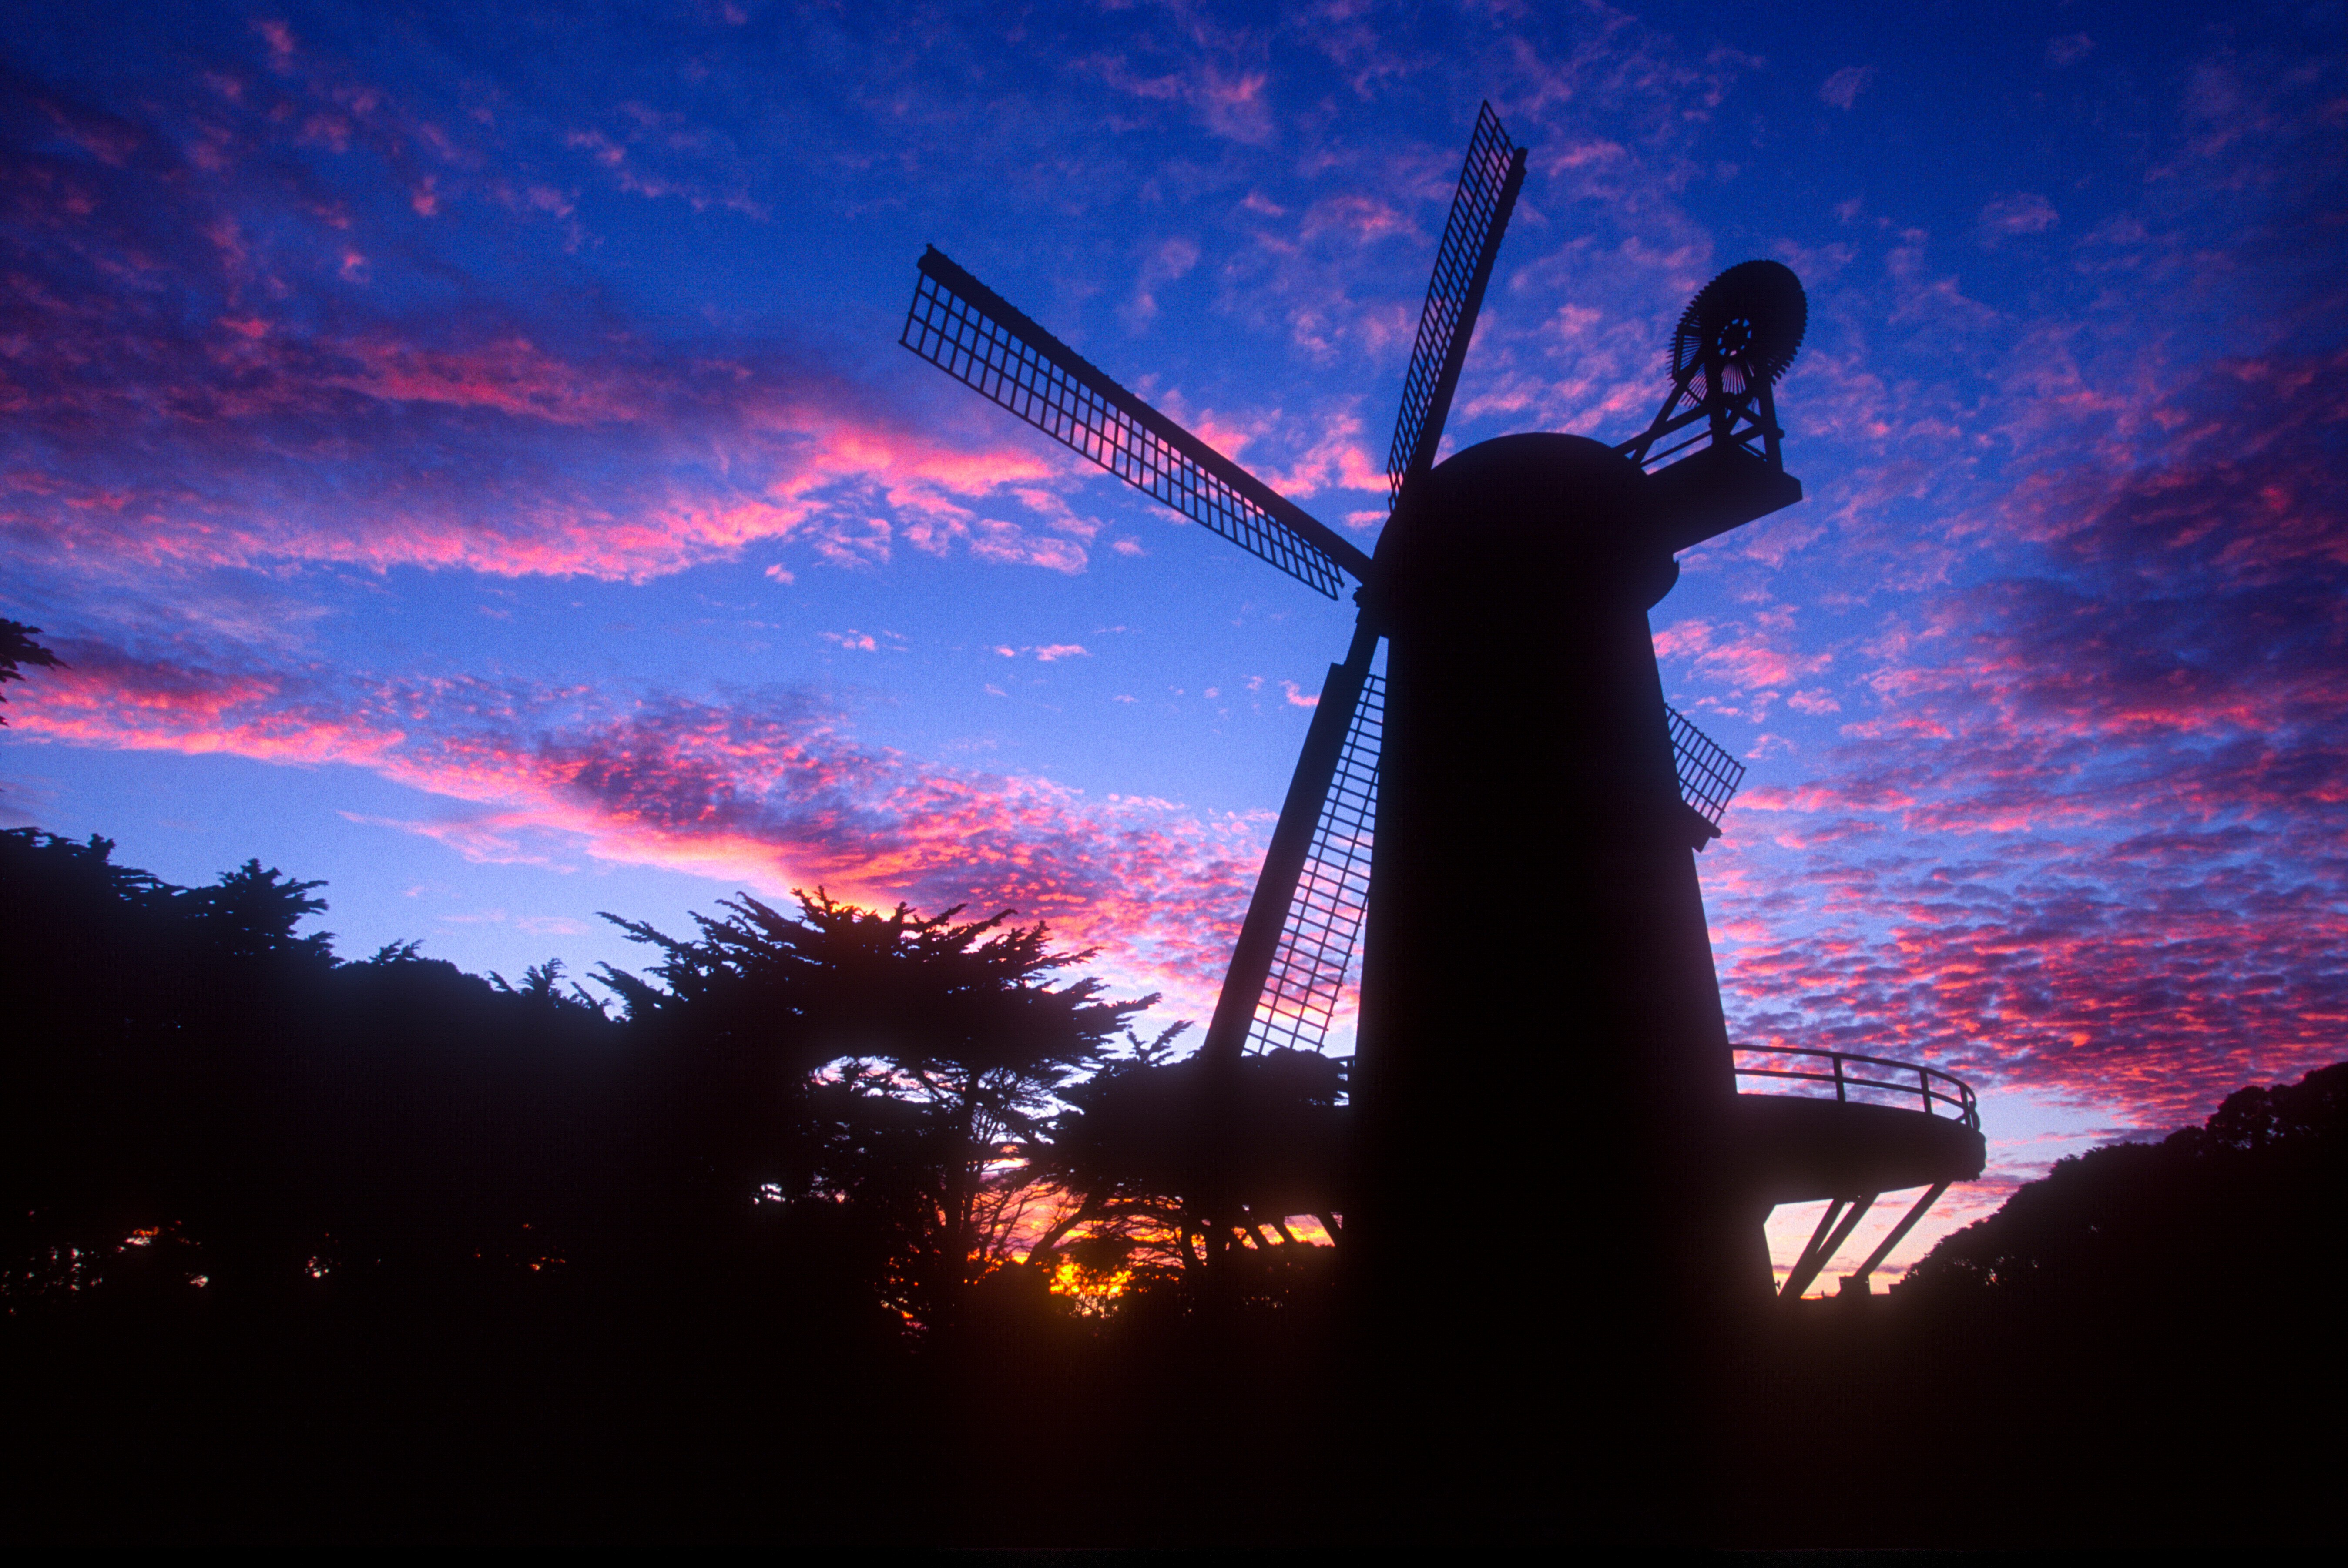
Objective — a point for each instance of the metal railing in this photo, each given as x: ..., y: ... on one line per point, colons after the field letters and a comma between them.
x: 1917, y: 1086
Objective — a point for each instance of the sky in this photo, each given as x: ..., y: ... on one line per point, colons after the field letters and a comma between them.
x: 463, y: 453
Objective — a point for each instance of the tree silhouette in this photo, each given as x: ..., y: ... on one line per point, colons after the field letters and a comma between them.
x: 2216, y: 1214
x: 1129, y: 1147
x: 82, y: 942
x: 183, y: 1067
x: 18, y: 649
x: 248, y: 917
x: 903, y: 1062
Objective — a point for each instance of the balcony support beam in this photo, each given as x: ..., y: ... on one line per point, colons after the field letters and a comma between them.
x: 1858, y: 1280
x: 1817, y: 1254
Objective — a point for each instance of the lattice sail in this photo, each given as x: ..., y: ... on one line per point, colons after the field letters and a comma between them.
x: 968, y: 331
x: 1315, y: 956
x: 1708, y: 774
x: 1486, y: 191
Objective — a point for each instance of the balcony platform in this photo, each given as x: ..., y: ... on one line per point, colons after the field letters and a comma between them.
x: 1796, y: 1148
x: 1830, y: 1126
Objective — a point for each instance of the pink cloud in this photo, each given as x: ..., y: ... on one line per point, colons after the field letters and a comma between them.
x: 1762, y: 659
x: 291, y: 435
x: 768, y: 794
x: 1841, y: 89
x: 810, y: 461
x: 2083, y: 844
x: 1360, y: 217
x: 2023, y: 212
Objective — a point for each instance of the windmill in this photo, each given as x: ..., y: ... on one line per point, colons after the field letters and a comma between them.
x: 1517, y: 745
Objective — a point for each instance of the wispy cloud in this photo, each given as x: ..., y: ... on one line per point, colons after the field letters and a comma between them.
x: 1841, y: 89
x: 768, y: 789
x: 2082, y: 839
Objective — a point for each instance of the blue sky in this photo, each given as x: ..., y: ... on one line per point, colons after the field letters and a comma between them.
x: 464, y: 455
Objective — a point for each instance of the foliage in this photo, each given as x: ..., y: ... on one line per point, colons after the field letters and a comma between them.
x: 182, y: 1064
x: 1132, y: 1148
x: 2246, y: 1204
x: 905, y: 1064
x: 17, y: 649
x: 881, y: 1106
x: 190, y: 1076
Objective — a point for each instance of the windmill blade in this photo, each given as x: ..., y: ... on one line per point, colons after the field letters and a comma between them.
x: 1488, y: 184
x: 1315, y: 956
x: 1708, y: 775
x: 1297, y: 930
x: 975, y: 335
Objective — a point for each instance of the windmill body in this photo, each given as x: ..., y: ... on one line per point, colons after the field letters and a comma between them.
x: 1544, y: 1081
x: 1542, y: 1029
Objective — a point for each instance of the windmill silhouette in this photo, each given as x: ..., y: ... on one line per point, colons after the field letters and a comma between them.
x: 1507, y: 812
x: 1504, y: 819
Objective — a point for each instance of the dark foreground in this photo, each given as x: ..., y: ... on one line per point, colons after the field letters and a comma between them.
x: 536, y: 1420
x: 299, y: 1249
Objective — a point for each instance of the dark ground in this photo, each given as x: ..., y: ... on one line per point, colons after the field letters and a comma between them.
x: 1875, y: 1427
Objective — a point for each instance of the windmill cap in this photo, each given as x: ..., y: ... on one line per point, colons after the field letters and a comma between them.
x: 1538, y: 516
